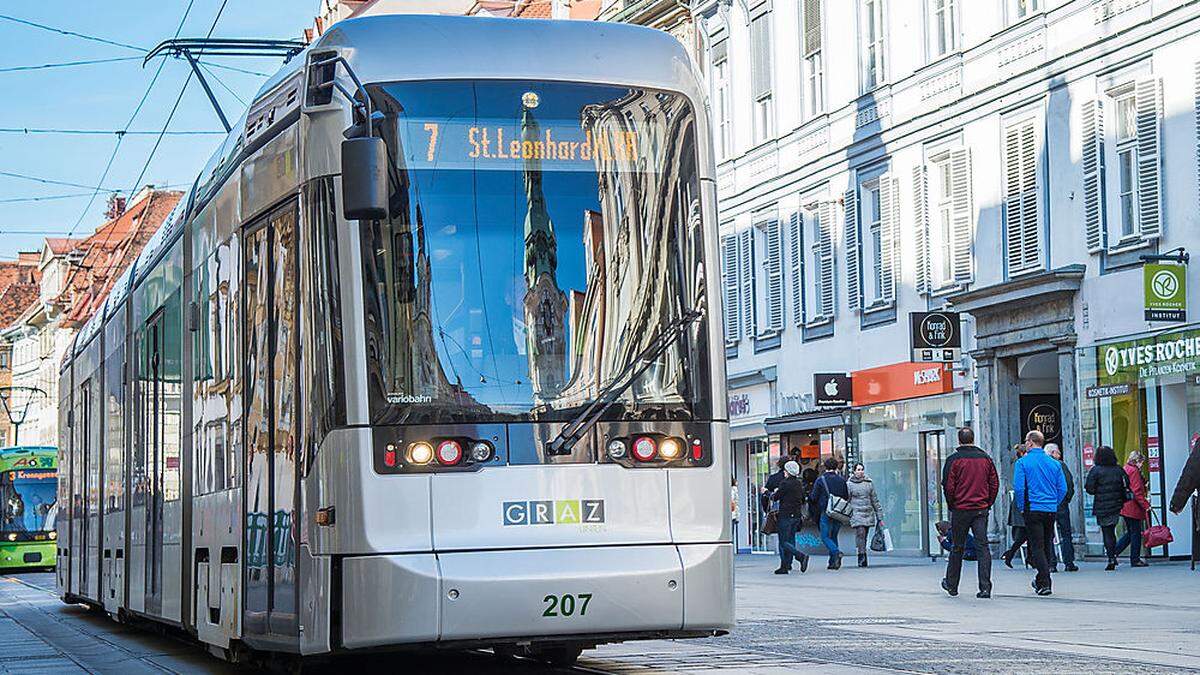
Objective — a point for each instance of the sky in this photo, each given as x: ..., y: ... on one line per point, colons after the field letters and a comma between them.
x: 104, y: 96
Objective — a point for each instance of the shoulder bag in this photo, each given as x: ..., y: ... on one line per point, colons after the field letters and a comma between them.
x: 1157, y: 535
x: 837, y: 507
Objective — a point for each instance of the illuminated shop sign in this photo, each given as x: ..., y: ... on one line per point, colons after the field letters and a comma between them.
x: 1159, y: 356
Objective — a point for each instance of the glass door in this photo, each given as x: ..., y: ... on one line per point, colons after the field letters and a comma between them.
x: 933, y: 452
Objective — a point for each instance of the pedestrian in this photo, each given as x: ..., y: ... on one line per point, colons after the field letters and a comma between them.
x: 1106, y: 484
x: 766, y: 494
x: 1040, y: 488
x: 970, y: 485
x: 1189, y: 479
x: 1016, y: 521
x: 830, y: 483
x: 947, y: 542
x: 791, y: 509
x: 1063, y: 518
x: 865, y: 511
x: 1135, y: 511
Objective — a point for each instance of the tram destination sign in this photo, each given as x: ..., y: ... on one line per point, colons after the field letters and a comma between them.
x: 935, y: 337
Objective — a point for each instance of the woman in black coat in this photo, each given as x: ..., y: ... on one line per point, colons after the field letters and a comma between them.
x: 1106, y: 483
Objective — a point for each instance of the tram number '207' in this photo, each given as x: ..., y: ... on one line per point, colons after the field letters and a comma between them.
x: 566, y: 604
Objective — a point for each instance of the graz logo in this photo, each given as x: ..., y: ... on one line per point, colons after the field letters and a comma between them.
x: 554, y: 512
x: 1112, y: 360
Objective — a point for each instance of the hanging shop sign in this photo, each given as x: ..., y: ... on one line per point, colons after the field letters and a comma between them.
x: 1165, y: 288
x: 901, y: 381
x: 831, y: 390
x: 935, y: 337
x: 1159, y: 356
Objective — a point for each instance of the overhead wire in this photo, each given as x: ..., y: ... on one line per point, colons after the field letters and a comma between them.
x: 63, y: 31
x: 67, y: 64
x: 109, y: 132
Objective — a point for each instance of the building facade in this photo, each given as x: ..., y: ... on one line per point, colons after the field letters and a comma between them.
x: 1012, y: 160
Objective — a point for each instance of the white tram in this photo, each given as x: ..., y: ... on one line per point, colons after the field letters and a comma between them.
x: 429, y: 356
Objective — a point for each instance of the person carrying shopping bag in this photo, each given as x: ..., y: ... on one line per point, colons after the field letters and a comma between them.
x: 866, y: 511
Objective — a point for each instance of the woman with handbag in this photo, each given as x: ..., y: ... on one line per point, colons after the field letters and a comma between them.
x: 865, y: 509
x: 1135, y: 510
x: 830, y: 499
x: 1106, y: 482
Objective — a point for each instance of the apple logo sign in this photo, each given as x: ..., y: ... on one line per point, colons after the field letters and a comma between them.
x: 831, y: 388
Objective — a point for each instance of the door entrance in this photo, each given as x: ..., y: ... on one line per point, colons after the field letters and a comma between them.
x: 271, y: 391
x: 933, y: 452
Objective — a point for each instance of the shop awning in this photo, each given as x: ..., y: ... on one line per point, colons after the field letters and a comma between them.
x: 806, y: 422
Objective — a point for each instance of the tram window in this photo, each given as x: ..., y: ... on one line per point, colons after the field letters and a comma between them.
x: 321, y: 285
x: 540, y: 234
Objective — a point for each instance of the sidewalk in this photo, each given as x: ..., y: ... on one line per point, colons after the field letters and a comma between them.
x: 893, y: 616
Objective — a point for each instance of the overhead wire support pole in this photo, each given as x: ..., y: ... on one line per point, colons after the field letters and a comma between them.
x: 222, y: 47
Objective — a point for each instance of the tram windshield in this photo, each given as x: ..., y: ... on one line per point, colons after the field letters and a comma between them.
x: 540, y: 235
x: 27, y: 500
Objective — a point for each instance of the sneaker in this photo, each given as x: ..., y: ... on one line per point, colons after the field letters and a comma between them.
x: 1072, y: 567
x: 783, y: 570
x: 946, y: 587
x: 983, y: 594
x: 803, y: 563
x: 1044, y: 590
x: 1112, y: 565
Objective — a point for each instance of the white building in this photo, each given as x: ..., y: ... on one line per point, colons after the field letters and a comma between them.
x: 1011, y: 159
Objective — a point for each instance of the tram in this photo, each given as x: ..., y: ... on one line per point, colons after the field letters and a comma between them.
x: 429, y: 356
x: 28, y: 507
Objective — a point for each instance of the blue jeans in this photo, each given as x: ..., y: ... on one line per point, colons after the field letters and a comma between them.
x: 788, y: 526
x: 1132, y: 536
x: 829, y: 534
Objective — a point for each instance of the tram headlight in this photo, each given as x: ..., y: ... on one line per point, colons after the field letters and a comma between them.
x: 53, y: 534
x: 616, y: 449
x: 12, y: 536
x: 644, y: 449
x: 420, y: 453
x: 449, y: 452
x: 481, y: 452
x: 670, y: 448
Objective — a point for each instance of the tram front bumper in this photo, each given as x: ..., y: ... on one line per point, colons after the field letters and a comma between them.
x: 535, y: 593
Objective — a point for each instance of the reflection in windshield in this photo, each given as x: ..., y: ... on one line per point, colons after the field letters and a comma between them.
x: 540, y: 234
x: 27, y: 498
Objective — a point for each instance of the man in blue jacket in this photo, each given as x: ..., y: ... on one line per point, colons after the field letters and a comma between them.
x: 1039, y: 487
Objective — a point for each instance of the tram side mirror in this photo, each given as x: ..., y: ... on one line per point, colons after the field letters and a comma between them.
x: 364, y: 179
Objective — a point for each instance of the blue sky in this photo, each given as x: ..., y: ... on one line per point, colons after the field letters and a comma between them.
x: 104, y: 96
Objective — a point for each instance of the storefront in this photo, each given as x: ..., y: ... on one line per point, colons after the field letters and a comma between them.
x: 1143, y: 395
x: 906, y: 416
x: 751, y: 402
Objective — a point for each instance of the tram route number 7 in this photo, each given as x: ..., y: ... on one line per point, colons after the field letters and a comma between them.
x: 566, y: 604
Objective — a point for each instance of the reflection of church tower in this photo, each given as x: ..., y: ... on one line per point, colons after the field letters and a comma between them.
x: 545, y: 303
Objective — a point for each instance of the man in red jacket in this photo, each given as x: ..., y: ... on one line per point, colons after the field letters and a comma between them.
x: 970, y: 484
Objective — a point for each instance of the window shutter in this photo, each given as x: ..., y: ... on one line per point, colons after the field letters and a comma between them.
x: 760, y: 42
x: 774, y: 265
x: 828, y: 292
x: 889, y: 189
x: 796, y: 248
x: 1023, y: 238
x: 1093, y: 186
x: 853, y: 251
x: 962, y: 216
x: 729, y: 284
x: 746, y: 277
x: 921, y: 224
x: 1149, y: 114
x: 812, y: 26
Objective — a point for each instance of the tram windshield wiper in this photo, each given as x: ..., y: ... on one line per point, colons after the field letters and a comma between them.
x: 608, y: 395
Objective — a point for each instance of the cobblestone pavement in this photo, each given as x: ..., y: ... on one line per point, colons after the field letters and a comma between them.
x: 891, y: 617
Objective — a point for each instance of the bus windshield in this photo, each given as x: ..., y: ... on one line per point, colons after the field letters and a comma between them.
x: 27, y: 500
x: 540, y: 234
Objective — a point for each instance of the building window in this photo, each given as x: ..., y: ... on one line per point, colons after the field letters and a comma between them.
x: 5, y: 360
x: 760, y: 77
x: 1021, y: 9
x: 1022, y: 207
x: 873, y: 244
x: 942, y: 234
x: 943, y: 29
x: 771, y: 241
x: 813, y: 68
x: 873, y: 45
x: 720, y: 70
x: 817, y: 246
x: 1125, y: 105
x: 731, y: 288
x: 871, y: 241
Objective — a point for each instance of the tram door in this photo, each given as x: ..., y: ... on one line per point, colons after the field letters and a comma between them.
x: 271, y: 347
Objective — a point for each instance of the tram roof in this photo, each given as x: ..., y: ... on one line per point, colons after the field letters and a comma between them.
x: 431, y: 47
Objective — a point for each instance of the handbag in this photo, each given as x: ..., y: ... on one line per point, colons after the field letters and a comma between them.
x: 1157, y: 535
x: 770, y: 524
x: 878, y: 542
x: 1129, y: 496
x: 836, y: 507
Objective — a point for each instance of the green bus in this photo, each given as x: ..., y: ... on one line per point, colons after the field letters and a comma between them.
x: 28, y: 507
